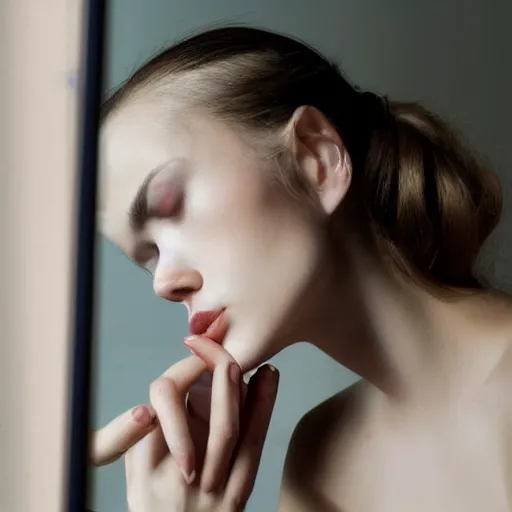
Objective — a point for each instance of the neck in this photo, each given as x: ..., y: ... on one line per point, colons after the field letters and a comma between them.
x: 391, y: 332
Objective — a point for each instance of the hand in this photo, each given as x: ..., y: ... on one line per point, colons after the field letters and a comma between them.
x: 185, y: 463
x: 113, y: 440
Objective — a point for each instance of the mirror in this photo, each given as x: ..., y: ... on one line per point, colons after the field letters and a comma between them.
x: 305, y: 209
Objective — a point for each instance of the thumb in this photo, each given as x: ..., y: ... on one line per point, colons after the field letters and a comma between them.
x: 114, y: 439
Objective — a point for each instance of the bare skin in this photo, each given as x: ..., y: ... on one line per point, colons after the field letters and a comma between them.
x: 437, y: 448
x: 179, y: 459
x: 429, y: 427
x: 363, y: 450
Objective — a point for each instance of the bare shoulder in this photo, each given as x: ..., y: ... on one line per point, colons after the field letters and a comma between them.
x: 494, y: 313
x: 311, y: 443
x: 501, y: 399
x: 503, y: 380
x: 499, y: 384
x: 502, y: 374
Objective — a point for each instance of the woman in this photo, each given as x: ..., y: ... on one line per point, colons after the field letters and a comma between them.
x: 280, y: 203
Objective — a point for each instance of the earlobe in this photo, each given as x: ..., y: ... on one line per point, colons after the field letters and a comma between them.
x: 321, y: 156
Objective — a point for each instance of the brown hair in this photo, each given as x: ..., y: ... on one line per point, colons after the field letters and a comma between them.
x: 430, y: 204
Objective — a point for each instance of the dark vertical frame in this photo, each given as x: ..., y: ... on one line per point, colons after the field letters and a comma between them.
x: 91, y: 74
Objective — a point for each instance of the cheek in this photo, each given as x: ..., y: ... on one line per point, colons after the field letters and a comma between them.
x: 261, y: 254
x: 228, y: 213
x: 244, y: 238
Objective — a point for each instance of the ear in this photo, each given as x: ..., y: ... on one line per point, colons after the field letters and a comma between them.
x: 321, y: 156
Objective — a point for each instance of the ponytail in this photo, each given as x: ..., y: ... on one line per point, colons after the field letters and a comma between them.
x: 431, y: 203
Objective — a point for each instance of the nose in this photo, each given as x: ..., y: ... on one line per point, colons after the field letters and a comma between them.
x: 178, y: 285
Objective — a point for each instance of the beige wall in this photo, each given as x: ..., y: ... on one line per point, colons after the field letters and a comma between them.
x: 36, y: 186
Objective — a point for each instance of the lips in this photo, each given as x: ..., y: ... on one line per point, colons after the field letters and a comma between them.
x: 209, y: 323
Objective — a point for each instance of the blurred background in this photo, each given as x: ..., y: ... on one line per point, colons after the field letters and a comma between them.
x: 453, y: 56
x: 40, y: 46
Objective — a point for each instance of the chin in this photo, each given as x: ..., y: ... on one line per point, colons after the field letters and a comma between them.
x: 251, y: 348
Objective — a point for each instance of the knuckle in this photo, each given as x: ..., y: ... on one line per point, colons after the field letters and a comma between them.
x: 161, y: 388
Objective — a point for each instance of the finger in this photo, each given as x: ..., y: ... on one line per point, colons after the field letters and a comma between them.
x: 225, y: 410
x: 200, y: 394
x: 260, y: 404
x: 167, y: 396
x: 186, y: 372
x: 211, y: 352
x: 224, y: 425
x: 143, y: 458
x: 114, y: 439
x: 139, y: 461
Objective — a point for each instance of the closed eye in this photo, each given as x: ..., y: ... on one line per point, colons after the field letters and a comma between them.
x: 166, y: 199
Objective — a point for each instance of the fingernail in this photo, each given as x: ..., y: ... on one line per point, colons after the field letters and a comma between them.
x: 185, y: 463
x: 189, y: 478
x: 192, y: 350
x: 193, y: 339
x: 189, y: 339
x: 234, y: 373
x: 142, y: 415
x: 189, y: 343
x: 270, y: 374
x: 194, y: 345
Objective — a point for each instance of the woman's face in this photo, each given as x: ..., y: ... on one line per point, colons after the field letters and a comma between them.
x: 188, y: 199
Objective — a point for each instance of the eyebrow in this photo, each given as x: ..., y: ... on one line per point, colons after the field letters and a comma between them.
x: 139, y: 211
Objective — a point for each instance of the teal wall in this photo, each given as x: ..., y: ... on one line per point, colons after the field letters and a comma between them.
x: 452, y: 55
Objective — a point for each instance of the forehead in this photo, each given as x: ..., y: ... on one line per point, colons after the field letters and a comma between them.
x: 138, y: 137
x: 143, y: 135
x: 133, y: 141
